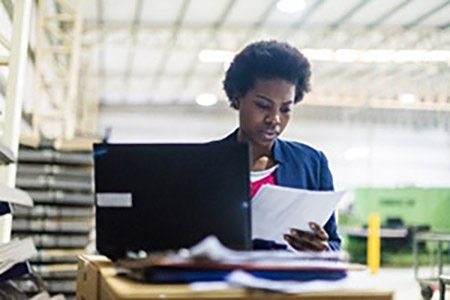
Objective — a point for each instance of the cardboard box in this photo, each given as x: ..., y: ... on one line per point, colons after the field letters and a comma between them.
x: 88, y: 276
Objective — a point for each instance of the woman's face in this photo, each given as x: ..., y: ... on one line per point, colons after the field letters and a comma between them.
x: 265, y: 111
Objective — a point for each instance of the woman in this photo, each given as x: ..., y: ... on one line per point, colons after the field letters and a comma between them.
x: 263, y: 83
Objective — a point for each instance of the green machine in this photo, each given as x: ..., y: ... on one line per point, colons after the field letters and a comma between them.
x: 414, y: 206
x: 407, y: 210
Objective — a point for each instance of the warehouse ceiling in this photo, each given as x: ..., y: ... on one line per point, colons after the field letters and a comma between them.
x: 369, y: 53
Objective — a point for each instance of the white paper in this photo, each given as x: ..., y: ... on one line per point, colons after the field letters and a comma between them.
x: 276, y: 209
x: 212, y: 249
x: 352, y: 282
x: 14, y: 252
x: 15, y: 195
x: 357, y: 281
x: 204, y: 286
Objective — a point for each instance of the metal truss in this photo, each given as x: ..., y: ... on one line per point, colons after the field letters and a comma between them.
x: 58, y: 50
x: 332, y: 76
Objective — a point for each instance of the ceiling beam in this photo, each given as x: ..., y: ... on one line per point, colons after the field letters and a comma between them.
x: 171, y: 43
x: 349, y: 13
x: 250, y: 32
x: 444, y: 26
x: 264, y: 16
x: 9, y: 7
x: 101, y: 50
x: 427, y: 15
x: 132, y: 49
x: 300, y: 22
x: 406, y: 29
x: 189, y: 74
x: 307, y: 14
x: 375, y: 24
x: 383, y: 18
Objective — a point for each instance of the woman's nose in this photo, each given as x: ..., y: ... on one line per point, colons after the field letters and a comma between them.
x: 273, y: 118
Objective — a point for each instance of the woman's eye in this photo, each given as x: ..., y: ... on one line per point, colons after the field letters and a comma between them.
x: 285, y: 109
x: 263, y: 106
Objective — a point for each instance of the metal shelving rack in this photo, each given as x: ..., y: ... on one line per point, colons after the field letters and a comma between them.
x: 59, y: 181
x: 15, y: 58
x: 62, y: 221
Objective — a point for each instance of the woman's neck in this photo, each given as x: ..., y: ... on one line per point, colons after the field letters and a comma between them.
x: 261, y: 159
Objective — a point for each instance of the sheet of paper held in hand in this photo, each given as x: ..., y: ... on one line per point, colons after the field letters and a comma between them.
x: 276, y: 209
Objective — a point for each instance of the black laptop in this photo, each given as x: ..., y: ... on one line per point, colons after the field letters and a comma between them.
x: 155, y: 197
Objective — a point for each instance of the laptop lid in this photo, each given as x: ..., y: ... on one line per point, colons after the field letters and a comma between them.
x: 155, y: 197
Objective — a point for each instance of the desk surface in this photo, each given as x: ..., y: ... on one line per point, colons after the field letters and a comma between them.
x: 96, y: 280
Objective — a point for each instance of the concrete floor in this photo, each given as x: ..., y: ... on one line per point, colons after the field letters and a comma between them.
x: 402, y: 282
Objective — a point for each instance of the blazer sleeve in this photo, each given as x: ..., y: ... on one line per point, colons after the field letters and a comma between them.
x: 326, y: 184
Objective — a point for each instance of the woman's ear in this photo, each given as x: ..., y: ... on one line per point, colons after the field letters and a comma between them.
x: 235, y: 102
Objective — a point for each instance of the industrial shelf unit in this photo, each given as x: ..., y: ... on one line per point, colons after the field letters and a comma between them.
x: 62, y: 221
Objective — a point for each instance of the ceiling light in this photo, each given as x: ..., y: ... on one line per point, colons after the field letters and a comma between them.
x: 346, y: 55
x: 319, y: 54
x: 206, y: 99
x: 215, y: 56
x: 407, y: 98
x: 291, y: 6
x: 409, y: 55
x: 437, y: 56
x: 378, y: 55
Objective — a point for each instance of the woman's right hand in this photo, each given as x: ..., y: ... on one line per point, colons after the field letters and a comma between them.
x: 315, y: 240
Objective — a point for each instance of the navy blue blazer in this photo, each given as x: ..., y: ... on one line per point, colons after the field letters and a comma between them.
x: 302, y: 167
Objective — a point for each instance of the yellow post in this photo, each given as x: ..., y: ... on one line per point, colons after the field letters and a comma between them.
x: 373, y: 243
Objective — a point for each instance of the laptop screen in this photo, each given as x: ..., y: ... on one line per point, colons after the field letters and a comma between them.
x: 156, y: 197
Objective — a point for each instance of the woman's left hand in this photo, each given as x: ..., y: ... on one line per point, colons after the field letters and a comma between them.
x: 315, y: 240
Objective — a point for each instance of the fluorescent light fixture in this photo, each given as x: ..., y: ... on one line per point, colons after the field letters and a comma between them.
x: 356, y: 153
x: 291, y: 6
x: 409, y: 55
x: 346, y: 55
x: 206, y: 99
x: 378, y: 55
x: 407, y: 98
x: 215, y: 56
x: 437, y: 56
x: 319, y: 54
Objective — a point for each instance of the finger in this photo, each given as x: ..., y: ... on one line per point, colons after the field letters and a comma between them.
x: 307, y: 235
x: 305, y: 245
x: 296, y: 244
x: 319, y: 231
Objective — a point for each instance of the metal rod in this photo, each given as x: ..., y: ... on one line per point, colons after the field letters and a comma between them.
x: 416, y: 256
x: 439, y: 258
x: 4, y: 42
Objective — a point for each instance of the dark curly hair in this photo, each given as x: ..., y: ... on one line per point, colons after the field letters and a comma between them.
x: 267, y: 60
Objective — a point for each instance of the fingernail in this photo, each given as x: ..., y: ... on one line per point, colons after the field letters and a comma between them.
x: 312, y: 225
x: 286, y: 237
x: 293, y: 231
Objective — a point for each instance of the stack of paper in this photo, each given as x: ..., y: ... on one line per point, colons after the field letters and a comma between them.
x: 211, y: 261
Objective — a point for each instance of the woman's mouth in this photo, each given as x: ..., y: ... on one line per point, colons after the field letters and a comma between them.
x: 270, y: 134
